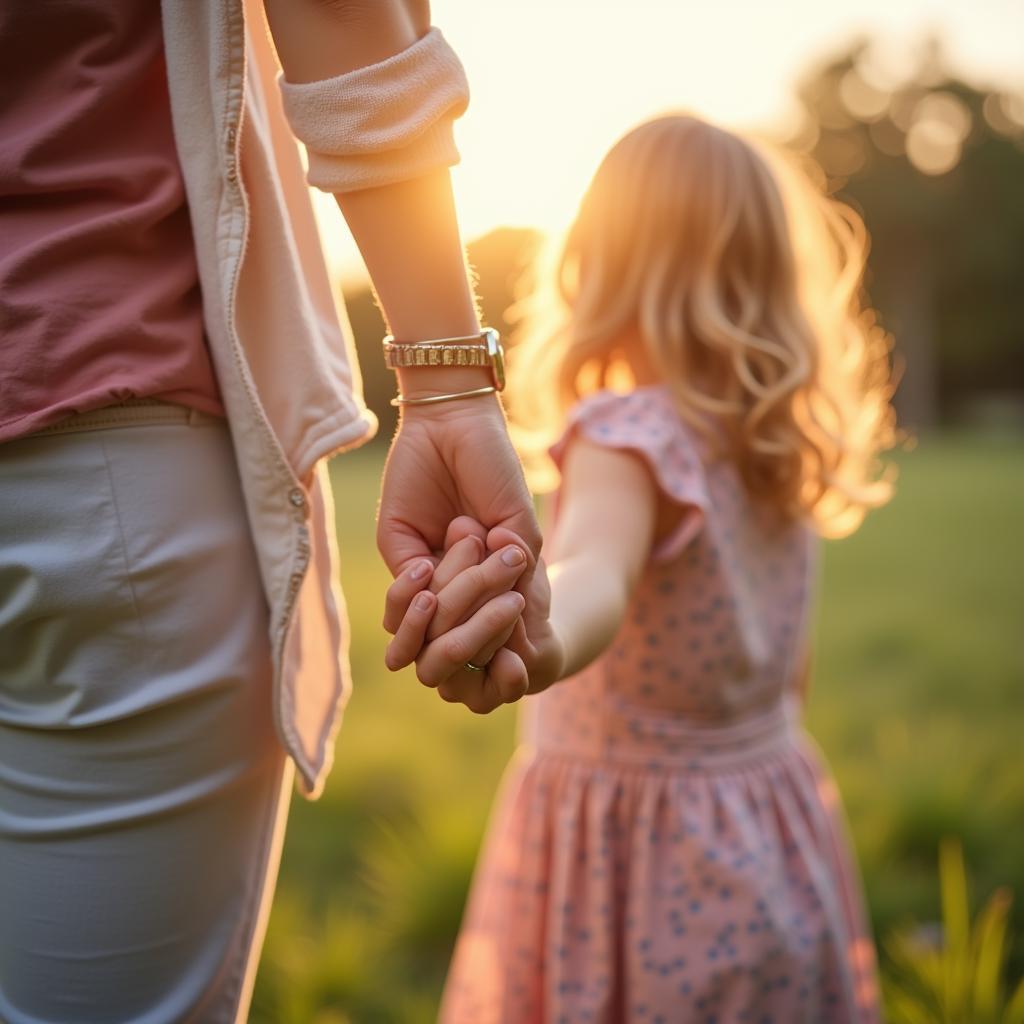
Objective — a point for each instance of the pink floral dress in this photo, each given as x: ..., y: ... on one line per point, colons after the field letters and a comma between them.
x: 667, y: 847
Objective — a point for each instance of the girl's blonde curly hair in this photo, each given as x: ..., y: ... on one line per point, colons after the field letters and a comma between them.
x: 741, y: 282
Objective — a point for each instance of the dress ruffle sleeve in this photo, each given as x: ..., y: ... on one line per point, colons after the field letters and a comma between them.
x: 646, y: 423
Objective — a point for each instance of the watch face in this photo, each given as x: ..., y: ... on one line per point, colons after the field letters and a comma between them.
x: 497, y: 354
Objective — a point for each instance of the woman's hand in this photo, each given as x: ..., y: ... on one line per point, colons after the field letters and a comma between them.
x: 448, y: 461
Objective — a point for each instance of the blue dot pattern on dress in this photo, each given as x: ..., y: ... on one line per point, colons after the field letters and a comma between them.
x: 667, y: 846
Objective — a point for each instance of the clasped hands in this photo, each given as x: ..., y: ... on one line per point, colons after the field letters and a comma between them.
x: 460, y: 594
x: 467, y: 610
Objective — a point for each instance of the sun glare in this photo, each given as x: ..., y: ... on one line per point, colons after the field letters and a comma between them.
x: 555, y: 82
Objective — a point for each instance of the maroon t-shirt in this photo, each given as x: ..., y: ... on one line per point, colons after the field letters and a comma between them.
x: 99, y: 290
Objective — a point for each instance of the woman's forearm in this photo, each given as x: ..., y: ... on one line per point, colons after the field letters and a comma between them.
x: 372, y: 90
x: 407, y: 231
x: 409, y: 238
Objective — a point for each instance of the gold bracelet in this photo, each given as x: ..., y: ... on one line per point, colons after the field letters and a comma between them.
x: 462, y: 339
x: 434, y: 399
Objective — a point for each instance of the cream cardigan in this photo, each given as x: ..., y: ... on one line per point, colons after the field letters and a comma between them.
x: 281, y: 346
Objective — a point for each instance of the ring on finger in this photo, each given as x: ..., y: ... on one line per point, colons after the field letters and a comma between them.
x: 473, y: 667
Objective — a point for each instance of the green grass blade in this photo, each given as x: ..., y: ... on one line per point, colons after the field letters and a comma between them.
x: 956, y: 955
x: 990, y: 955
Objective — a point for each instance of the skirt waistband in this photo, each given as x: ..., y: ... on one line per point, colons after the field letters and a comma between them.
x: 662, y: 743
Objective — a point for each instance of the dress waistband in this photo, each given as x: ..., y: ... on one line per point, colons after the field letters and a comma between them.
x: 131, y: 413
x: 659, y: 742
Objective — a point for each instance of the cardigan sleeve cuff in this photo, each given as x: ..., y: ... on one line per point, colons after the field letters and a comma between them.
x: 381, y: 124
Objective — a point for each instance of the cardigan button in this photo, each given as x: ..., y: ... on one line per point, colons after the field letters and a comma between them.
x: 297, y: 498
x: 231, y: 155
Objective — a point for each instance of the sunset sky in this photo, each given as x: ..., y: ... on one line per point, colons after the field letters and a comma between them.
x: 555, y: 82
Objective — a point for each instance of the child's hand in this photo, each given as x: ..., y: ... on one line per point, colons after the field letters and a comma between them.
x: 466, y: 616
x: 533, y: 639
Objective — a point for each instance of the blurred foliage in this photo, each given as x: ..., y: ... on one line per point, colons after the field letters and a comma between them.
x: 935, y: 165
x: 954, y: 975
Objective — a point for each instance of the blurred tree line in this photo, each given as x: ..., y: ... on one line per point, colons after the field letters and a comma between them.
x: 935, y: 165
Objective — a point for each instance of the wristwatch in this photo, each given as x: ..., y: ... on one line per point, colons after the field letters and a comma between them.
x: 483, y: 349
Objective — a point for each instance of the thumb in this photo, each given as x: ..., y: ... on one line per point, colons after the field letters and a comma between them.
x: 501, y: 536
x: 400, y: 545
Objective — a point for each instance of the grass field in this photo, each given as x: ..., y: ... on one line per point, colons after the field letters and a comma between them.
x: 917, y: 700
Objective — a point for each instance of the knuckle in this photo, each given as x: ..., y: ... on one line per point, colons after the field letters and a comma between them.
x: 445, y: 611
x: 504, y: 684
x: 456, y: 650
x: 478, y: 575
x: 481, y: 705
x: 496, y: 617
x: 427, y: 677
x: 513, y: 690
x: 471, y: 582
x: 474, y: 702
x: 448, y: 695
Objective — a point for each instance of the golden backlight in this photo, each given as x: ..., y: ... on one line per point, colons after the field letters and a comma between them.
x: 555, y: 82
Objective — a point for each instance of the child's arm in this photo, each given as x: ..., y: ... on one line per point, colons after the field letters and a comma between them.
x: 601, y: 542
x: 608, y: 522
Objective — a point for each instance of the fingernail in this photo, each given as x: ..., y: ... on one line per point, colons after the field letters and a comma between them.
x: 419, y: 570
x: 423, y: 601
x: 513, y: 556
